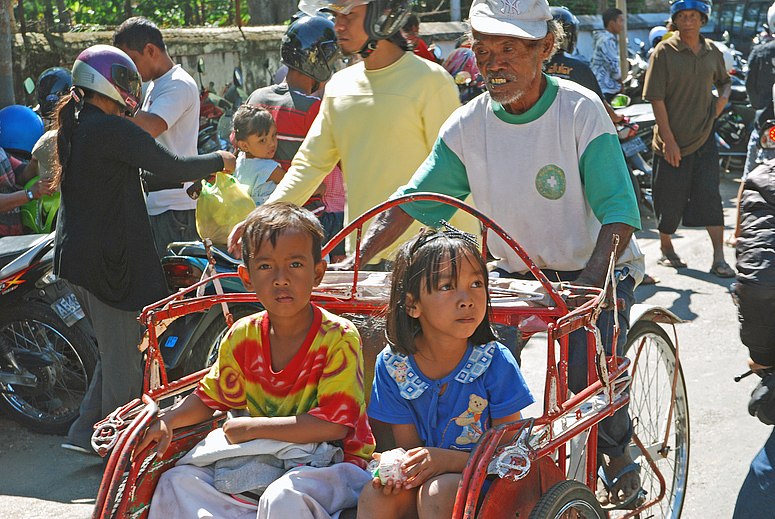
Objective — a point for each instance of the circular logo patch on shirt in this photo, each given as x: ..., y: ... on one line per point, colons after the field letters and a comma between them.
x: 550, y: 182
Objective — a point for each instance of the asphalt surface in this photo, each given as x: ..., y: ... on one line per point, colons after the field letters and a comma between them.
x: 38, y: 479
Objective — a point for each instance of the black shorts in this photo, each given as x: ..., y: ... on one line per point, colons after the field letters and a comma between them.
x: 756, y: 306
x: 689, y: 192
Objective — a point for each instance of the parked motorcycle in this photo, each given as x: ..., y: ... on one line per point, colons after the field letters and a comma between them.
x: 47, y: 350
x: 215, y: 112
x: 635, y: 137
x: 733, y: 129
x: 190, y: 343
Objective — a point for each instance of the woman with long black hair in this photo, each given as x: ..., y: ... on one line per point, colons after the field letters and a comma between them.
x: 104, y: 244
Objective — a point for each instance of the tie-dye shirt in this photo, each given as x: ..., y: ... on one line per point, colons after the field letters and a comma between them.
x: 324, y: 379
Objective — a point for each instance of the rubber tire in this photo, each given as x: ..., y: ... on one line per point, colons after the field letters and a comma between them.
x: 205, y: 350
x: 659, y: 352
x: 79, y: 351
x: 564, y: 494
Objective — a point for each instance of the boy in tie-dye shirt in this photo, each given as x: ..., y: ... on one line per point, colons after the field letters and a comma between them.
x: 296, y: 368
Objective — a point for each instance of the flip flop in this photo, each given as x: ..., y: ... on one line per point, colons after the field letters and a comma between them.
x: 609, y: 484
x: 672, y: 260
x: 722, y: 270
x: 649, y: 280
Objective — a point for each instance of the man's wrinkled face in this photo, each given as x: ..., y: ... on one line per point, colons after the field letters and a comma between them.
x: 688, y: 20
x: 510, y: 66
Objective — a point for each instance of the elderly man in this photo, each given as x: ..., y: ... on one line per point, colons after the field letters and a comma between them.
x: 541, y: 155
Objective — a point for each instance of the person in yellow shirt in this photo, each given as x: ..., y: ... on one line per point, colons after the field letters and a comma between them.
x: 379, y: 118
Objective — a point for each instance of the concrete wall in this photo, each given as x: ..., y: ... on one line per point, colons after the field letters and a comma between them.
x: 256, y: 50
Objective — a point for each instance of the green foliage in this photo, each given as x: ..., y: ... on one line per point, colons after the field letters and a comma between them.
x: 104, y: 14
x: 42, y: 15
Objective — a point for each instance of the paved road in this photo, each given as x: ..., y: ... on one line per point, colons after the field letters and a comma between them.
x: 38, y: 479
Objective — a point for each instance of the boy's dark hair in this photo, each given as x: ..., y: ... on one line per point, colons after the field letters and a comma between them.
x: 268, y: 221
x: 137, y: 32
x: 251, y: 120
x: 421, y: 260
x: 610, y: 15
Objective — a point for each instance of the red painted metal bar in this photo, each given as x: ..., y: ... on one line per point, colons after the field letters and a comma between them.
x: 435, y: 197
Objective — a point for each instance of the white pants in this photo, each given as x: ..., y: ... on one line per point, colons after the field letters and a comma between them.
x: 186, y: 491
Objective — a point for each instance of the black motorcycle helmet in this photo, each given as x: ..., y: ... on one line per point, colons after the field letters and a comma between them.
x: 310, y: 47
x: 570, y: 25
x: 384, y: 18
x: 53, y: 83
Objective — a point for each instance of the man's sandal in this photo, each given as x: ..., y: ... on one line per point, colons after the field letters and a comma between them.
x: 629, y: 503
x: 672, y: 260
x: 722, y: 270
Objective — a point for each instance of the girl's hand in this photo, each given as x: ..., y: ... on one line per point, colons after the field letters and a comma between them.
x: 390, y: 487
x: 229, y: 161
x: 423, y: 463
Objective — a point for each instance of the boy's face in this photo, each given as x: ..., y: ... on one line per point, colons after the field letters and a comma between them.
x: 283, y: 276
x: 261, y: 146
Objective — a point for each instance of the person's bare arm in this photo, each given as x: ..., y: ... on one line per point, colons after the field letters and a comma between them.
x: 30, y: 172
x: 149, y: 122
x: 190, y: 411
x: 277, y: 175
x: 321, y: 190
x: 670, y: 148
x: 723, y: 98
x: 615, y: 118
x: 595, y: 272
x: 386, y: 228
x: 303, y: 428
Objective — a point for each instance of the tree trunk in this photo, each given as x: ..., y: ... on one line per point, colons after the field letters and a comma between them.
x: 48, y: 15
x: 270, y: 12
x: 188, y: 13
x: 602, y: 5
x: 6, y: 61
x: 64, y: 16
x: 127, y: 9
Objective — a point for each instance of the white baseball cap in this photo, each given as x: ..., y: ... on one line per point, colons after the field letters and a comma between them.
x: 519, y: 18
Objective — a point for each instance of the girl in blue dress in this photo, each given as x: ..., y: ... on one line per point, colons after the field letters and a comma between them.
x: 444, y: 379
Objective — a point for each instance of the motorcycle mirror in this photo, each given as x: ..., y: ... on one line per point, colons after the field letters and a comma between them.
x: 29, y: 85
x: 200, y: 66
x: 237, y: 77
x: 620, y: 101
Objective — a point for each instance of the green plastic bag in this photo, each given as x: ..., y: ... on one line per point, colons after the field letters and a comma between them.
x: 221, y: 206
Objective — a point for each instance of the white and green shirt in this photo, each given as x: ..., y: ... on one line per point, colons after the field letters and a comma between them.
x: 551, y: 177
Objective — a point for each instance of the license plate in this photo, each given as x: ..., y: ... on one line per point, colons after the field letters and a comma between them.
x: 69, y: 309
x: 633, y: 146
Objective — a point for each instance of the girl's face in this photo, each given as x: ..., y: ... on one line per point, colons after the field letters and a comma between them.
x: 260, y: 146
x: 455, y: 307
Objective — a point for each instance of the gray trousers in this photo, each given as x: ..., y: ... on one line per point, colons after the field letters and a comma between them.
x: 118, y: 377
x: 171, y: 226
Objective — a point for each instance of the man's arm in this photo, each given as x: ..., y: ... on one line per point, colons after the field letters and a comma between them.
x: 670, y: 148
x: 315, y: 159
x: 149, y: 122
x: 595, y: 272
x: 724, y: 92
x: 386, y: 228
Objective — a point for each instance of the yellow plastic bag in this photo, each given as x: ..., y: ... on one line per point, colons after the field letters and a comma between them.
x: 221, y: 206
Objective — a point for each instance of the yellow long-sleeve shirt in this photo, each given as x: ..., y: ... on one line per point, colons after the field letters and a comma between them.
x: 381, y: 124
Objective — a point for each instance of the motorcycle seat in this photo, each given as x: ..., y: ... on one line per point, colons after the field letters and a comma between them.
x: 11, y: 247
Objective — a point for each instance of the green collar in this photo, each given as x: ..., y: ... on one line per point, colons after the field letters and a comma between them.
x: 536, y: 111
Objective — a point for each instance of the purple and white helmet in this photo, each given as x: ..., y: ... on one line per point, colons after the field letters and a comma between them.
x: 109, y: 71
